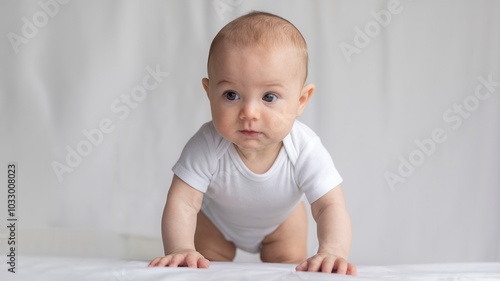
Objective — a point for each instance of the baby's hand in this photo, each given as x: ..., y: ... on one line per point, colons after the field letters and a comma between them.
x: 327, y: 263
x: 190, y: 258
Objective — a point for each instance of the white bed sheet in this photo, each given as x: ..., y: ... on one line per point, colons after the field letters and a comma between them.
x: 75, y: 269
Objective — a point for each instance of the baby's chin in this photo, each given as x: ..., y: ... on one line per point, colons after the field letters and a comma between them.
x: 255, y: 145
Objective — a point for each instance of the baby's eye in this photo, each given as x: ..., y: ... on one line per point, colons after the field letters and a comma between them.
x: 230, y: 95
x: 269, y: 97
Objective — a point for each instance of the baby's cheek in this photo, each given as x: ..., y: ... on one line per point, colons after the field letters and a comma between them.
x: 221, y: 126
x: 282, y: 122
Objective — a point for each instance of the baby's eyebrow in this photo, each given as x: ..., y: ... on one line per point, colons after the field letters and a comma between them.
x: 275, y: 84
x: 223, y: 81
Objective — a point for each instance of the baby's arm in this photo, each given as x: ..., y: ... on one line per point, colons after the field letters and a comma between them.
x: 178, y: 227
x: 334, y: 235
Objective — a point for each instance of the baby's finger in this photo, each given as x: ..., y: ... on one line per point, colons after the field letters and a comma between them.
x: 302, y: 266
x: 203, y: 263
x: 340, y: 266
x: 176, y: 260
x: 327, y: 265
x: 154, y: 262
x: 191, y: 260
x: 164, y: 261
x: 352, y: 270
x: 314, y: 264
x: 160, y: 261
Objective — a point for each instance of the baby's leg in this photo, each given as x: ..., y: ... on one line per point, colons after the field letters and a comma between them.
x: 210, y: 242
x: 288, y: 243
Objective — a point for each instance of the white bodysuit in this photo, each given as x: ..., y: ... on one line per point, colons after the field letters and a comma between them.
x: 245, y: 206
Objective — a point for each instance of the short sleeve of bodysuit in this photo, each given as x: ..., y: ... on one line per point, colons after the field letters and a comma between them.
x: 198, y: 160
x: 315, y: 171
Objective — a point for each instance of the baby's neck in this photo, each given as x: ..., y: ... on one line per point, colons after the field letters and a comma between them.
x: 259, y: 162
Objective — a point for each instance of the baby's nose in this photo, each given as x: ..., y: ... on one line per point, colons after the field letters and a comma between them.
x: 250, y: 110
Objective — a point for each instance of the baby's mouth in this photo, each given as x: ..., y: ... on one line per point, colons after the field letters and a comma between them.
x: 250, y: 133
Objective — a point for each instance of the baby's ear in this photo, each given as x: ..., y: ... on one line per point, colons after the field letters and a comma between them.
x: 305, y: 95
x: 205, y: 82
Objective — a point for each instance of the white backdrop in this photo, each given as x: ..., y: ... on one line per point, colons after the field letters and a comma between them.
x: 97, y: 99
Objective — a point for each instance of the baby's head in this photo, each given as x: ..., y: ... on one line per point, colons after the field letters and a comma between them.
x: 260, y: 29
x: 257, y: 67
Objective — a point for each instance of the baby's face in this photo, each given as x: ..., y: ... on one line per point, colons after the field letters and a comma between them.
x: 255, y: 95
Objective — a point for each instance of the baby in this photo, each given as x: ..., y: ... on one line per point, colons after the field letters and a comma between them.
x: 240, y: 180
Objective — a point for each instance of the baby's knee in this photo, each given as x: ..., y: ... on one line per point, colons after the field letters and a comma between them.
x: 210, y: 242
x: 294, y: 255
x: 288, y: 243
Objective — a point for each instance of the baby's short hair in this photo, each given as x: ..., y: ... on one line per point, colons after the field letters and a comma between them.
x: 260, y: 29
